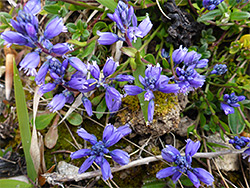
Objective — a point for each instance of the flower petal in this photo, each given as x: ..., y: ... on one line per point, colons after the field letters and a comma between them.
x: 166, y: 172
x: 87, y: 163
x: 227, y: 109
x: 86, y: 136
x: 193, y: 179
x: 80, y: 153
x: 203, y: 175
x: 132, y: 90
x: 169, y: 153
x: 119, y: 156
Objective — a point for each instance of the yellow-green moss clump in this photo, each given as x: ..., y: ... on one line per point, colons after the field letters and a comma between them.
x: 164, y: 102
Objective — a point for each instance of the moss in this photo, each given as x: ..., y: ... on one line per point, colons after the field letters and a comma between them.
x: 164, y: 102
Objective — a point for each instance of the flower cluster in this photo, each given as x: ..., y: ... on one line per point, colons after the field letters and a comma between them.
x: 183, y: 165
x: 219, y: 69
x: 99, y: 149
x: 231, y: 101
x: 126, y: 21
x: 153, y: 81
x: 240, y: 143
x: 211, y: 4
x: 187, y: 77
x: 100, y: 79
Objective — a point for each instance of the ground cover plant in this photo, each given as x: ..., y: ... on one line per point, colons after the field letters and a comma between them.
x: 121, y: 93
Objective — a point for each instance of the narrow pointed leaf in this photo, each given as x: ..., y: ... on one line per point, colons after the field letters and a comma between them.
x: 23, y: 120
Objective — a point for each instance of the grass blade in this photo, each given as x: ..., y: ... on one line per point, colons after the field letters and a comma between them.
x: 111, y: 4
x: 23, y: 120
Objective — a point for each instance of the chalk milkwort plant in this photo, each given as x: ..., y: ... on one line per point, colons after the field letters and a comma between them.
x: 82, y: 67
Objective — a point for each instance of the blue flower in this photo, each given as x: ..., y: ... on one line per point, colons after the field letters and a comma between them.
x: 239, y: 143
x: 189, y: 79
x: 107, y: 38
x: 211, y: 4
x: 246, y: 153
x: 59, y: 100
x: 54, y: 28
x: 61, y: 48
x: 183, y: 165
x: 179, y: 54
x: 87, y: 105
x: 219, y: 69
x: 231, y: 101
x: 153, y: 81
x: 111, y: 136
x: 124, y: 16
x: 29, y: 63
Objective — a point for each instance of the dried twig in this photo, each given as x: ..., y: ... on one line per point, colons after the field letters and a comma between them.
x: 52, y: 177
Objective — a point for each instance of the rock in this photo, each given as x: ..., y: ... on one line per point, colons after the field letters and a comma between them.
x: 66, y: 169
x: 226, y: 162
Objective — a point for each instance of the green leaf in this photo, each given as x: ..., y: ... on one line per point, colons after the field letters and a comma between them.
x: 80, y: 25
x: 150, y: 58
x: 209, y: 16
x: 165, y: 64
x: 95, y: 101
x: 14, y: 183
x: 52, y: 9
x: 23, y: 120
x: 77, y: 43
x: 216, y: 145
x: 202, y: 119
x: 99, y: 26
x: 110, y: 4
x: 75, y: 119
x: 75, y: 36
x: 101, y: 108
x: 129, y: 51
x: 154, y: 184
x: 236, y: 122
x: 44, y: 120
x: 71, y: 27
x: 89, y: 49
x: 140, y: 70
x: 239, y: 16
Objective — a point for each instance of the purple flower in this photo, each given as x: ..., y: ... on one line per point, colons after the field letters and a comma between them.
x: 141, y: 31
x: 32, y: 7
x: 230, y: 101
x: 189, y: 79
x: 183, y: 165
x: 111, y: 136
x: 12, y: 37
x: 54, y: 28
x: 122, y: 16
x: 107, y: 38
x: 246, y: 153
x: 29, y: 63
x: 211, y: 4
x: 124, y: 78
x: 219, y: 69
x: 109, y: 67
x: 61, y: 48
x: 179, y: 54
x: 239, y: 143
x: 78, y: 64
x: 47, y: 88
x: 153, y: 81
x: 59, y: 100
x: 113, y: 99
x: 87, y: 105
